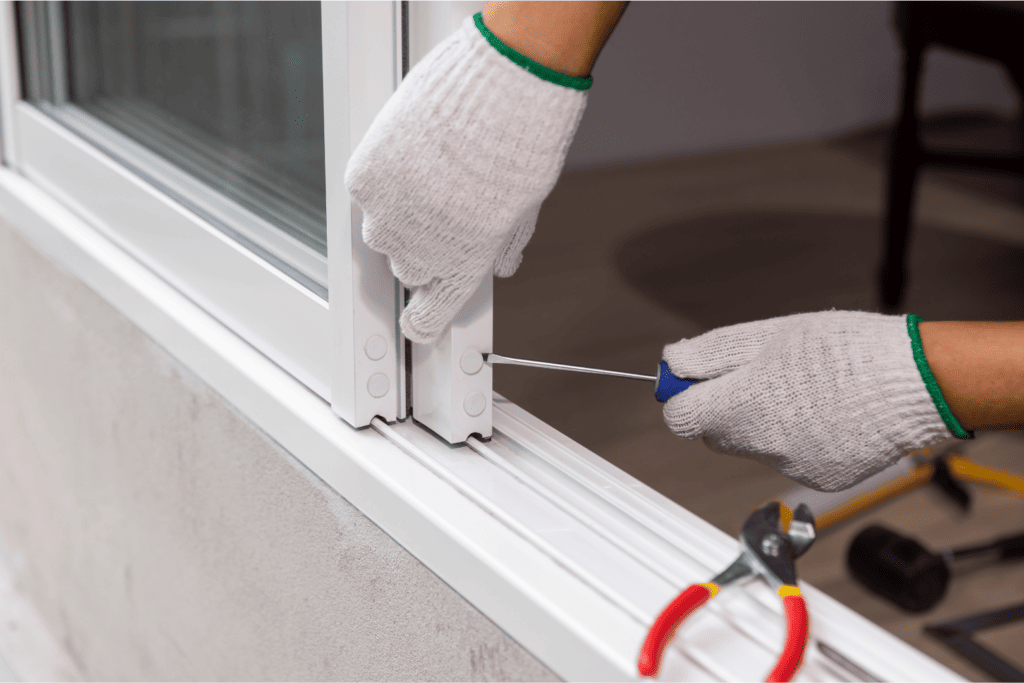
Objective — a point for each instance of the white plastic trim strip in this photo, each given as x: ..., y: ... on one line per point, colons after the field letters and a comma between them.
x: 367, y: 376
x: 451, y: 388
x: 505, y: 530
x: 10, y: 81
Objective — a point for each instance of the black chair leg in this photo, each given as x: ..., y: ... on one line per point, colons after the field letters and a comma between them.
x: 904, y: 163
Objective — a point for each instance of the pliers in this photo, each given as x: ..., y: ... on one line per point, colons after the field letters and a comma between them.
x: 767, y: 552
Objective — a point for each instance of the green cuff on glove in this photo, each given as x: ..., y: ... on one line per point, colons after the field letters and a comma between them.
x: 533, y: 67
x: 929, y: 381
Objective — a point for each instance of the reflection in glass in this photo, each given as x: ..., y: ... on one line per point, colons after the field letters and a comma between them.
x: 231, y: 92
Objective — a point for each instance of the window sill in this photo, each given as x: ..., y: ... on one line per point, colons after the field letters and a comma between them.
x: 570, y: 556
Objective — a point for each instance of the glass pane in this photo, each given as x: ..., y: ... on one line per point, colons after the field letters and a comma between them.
x: 231, y: 92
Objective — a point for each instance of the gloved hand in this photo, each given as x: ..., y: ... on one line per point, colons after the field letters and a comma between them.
x: 453, y: 170
x: 825, y: 398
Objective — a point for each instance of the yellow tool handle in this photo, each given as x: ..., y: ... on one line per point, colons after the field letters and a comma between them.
x: 961, y: 467
x: 920, y: 476
x: 968, y: 470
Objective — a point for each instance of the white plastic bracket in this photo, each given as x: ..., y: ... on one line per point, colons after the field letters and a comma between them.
x: 451, y: 385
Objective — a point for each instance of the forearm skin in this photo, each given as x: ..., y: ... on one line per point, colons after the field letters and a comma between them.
x: 979, y: 367
x: 564, y: 36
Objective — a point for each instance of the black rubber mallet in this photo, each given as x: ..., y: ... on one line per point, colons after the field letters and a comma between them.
x: 903, y: 571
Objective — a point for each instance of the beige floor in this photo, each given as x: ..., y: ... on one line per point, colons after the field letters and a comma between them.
x: 626, y: 259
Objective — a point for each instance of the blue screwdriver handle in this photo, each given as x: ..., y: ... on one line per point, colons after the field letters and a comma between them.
x: 668, y: 385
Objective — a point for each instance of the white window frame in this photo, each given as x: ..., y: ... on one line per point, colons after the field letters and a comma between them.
x: 362, y: 51
x: 450, y: 397
x: 569, y: 555
x: 179, y: 239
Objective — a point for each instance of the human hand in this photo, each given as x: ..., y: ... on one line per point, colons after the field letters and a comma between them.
x: 453, y: 170
x: 827, y: 398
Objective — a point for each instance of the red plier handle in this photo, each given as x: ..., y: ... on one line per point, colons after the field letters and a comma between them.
x: 696, y: 595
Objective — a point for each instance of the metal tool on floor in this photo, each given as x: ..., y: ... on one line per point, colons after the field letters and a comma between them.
x: 768, y: 553
x: 957, y: 634
x: 666, y: 385
x: 901, y: 570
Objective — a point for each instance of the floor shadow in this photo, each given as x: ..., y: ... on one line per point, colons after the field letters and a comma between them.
x: 725, y: 269
x: 975, y: 131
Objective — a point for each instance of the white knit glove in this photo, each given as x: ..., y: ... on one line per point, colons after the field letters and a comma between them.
x: 825, y: 398
x: 453, y: 170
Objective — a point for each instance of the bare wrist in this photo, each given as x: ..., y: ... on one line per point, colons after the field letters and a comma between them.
x: 564, y: 36
x: 979, y: 367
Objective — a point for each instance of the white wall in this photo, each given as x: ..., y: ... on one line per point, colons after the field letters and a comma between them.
x: 681, y: 78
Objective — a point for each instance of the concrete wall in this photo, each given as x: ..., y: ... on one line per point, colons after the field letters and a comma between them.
x: 689, y: 77
x: 163, y: 536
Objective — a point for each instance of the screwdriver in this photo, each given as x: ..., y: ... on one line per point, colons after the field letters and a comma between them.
x: 666, y: 385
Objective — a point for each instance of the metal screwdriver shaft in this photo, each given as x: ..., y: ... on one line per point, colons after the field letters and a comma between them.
x: 495, y: 358
x: 666, y: 385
